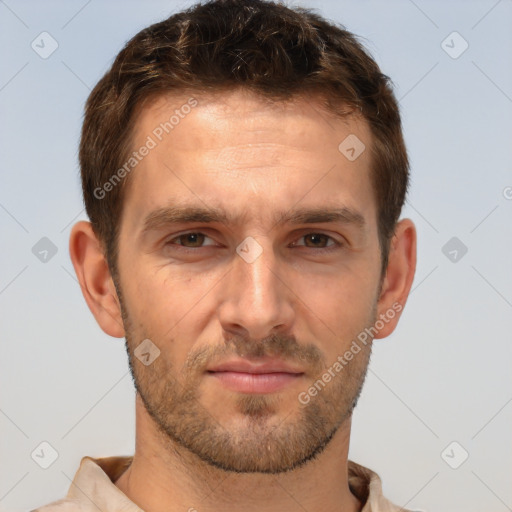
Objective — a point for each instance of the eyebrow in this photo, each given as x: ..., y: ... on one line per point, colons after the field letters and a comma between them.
x: 163, y: 217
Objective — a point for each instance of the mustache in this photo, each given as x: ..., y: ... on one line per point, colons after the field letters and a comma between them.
x: 279, y: 346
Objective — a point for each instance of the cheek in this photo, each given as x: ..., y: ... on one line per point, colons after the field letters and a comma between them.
x: 155, y: 296
x: 348, y: 287
x: 167, y: 310
x: 338, y: 306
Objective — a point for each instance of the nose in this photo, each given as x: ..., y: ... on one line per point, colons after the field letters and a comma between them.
x: 256, y: 300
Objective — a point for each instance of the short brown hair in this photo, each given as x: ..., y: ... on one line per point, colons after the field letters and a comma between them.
x: 266, y: 47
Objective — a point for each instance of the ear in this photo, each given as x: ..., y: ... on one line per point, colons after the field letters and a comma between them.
x: 95, y: 279
x: 399, y: 276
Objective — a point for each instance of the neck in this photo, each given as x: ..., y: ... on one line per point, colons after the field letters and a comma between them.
x: 165, y: 477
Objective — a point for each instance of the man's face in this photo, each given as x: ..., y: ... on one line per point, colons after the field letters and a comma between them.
x: 293, y: 296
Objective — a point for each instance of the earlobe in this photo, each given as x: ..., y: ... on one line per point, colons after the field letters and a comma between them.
x: 95, y: 279
x: 399, y: 277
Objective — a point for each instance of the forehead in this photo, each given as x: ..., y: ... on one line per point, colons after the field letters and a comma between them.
x: 211, y: 119
x: 239, y: 151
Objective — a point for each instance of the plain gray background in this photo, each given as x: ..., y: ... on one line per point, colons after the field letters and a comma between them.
x: 442, y: 377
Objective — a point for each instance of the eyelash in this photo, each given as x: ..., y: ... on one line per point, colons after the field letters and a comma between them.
x: 336, y: 245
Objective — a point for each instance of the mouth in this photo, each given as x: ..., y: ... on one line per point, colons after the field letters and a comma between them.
x: 263, y: 376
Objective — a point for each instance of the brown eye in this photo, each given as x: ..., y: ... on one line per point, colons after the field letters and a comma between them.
x: 316, y: 240
x: 190, y: 240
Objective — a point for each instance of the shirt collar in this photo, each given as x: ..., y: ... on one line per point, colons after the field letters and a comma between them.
x: 93, y: 486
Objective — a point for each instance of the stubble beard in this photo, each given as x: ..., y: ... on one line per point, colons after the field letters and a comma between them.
x: 264, y: 441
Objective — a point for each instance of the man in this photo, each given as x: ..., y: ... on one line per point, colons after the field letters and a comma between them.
x: 244, y: 170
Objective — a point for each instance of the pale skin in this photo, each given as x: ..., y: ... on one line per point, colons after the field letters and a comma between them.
x: 256, y: 162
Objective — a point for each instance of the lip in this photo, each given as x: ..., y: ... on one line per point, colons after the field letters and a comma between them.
x: 266, y: 376
x: 262, y: 366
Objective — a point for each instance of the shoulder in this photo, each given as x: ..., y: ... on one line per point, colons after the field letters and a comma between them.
x: 366, y: 485
x: 63, y: 505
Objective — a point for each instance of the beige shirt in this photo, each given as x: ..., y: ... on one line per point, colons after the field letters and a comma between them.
x: 93, y: 489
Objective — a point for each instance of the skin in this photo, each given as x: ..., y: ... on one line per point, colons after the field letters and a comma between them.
x: 199, y: 444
